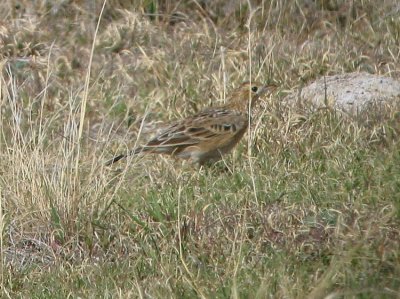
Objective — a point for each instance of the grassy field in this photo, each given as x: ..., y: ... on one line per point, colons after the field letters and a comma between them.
x: 307, y: 206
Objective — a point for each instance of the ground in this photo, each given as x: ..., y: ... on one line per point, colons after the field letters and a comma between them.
x: 307, y: 206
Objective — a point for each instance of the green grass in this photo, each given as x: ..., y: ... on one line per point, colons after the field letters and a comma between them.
x: 308, y: 207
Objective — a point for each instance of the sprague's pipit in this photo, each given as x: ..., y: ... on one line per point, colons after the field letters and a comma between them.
x: 207, y: 135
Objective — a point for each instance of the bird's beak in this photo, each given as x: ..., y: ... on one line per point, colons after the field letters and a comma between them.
x: 267, y: 89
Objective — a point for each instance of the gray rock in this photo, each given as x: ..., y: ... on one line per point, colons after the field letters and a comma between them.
x: 352, y: 92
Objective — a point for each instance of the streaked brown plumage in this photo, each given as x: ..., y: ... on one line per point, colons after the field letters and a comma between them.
x: 209, y: 134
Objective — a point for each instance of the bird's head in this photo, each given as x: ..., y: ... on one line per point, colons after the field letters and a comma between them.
x: 248, y: 93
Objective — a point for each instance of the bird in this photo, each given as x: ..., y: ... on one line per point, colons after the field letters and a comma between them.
x: 209, y: 134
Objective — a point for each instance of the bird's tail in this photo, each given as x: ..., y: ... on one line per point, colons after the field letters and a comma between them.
x: 115, y: 159
x: 122, y: 156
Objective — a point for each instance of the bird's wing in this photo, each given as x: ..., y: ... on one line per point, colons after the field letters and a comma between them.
x: 208, y: 124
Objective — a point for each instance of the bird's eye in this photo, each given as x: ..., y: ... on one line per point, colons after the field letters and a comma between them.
x: 254, y: 89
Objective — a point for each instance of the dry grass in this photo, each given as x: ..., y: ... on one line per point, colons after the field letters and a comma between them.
x: 307, y: 208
